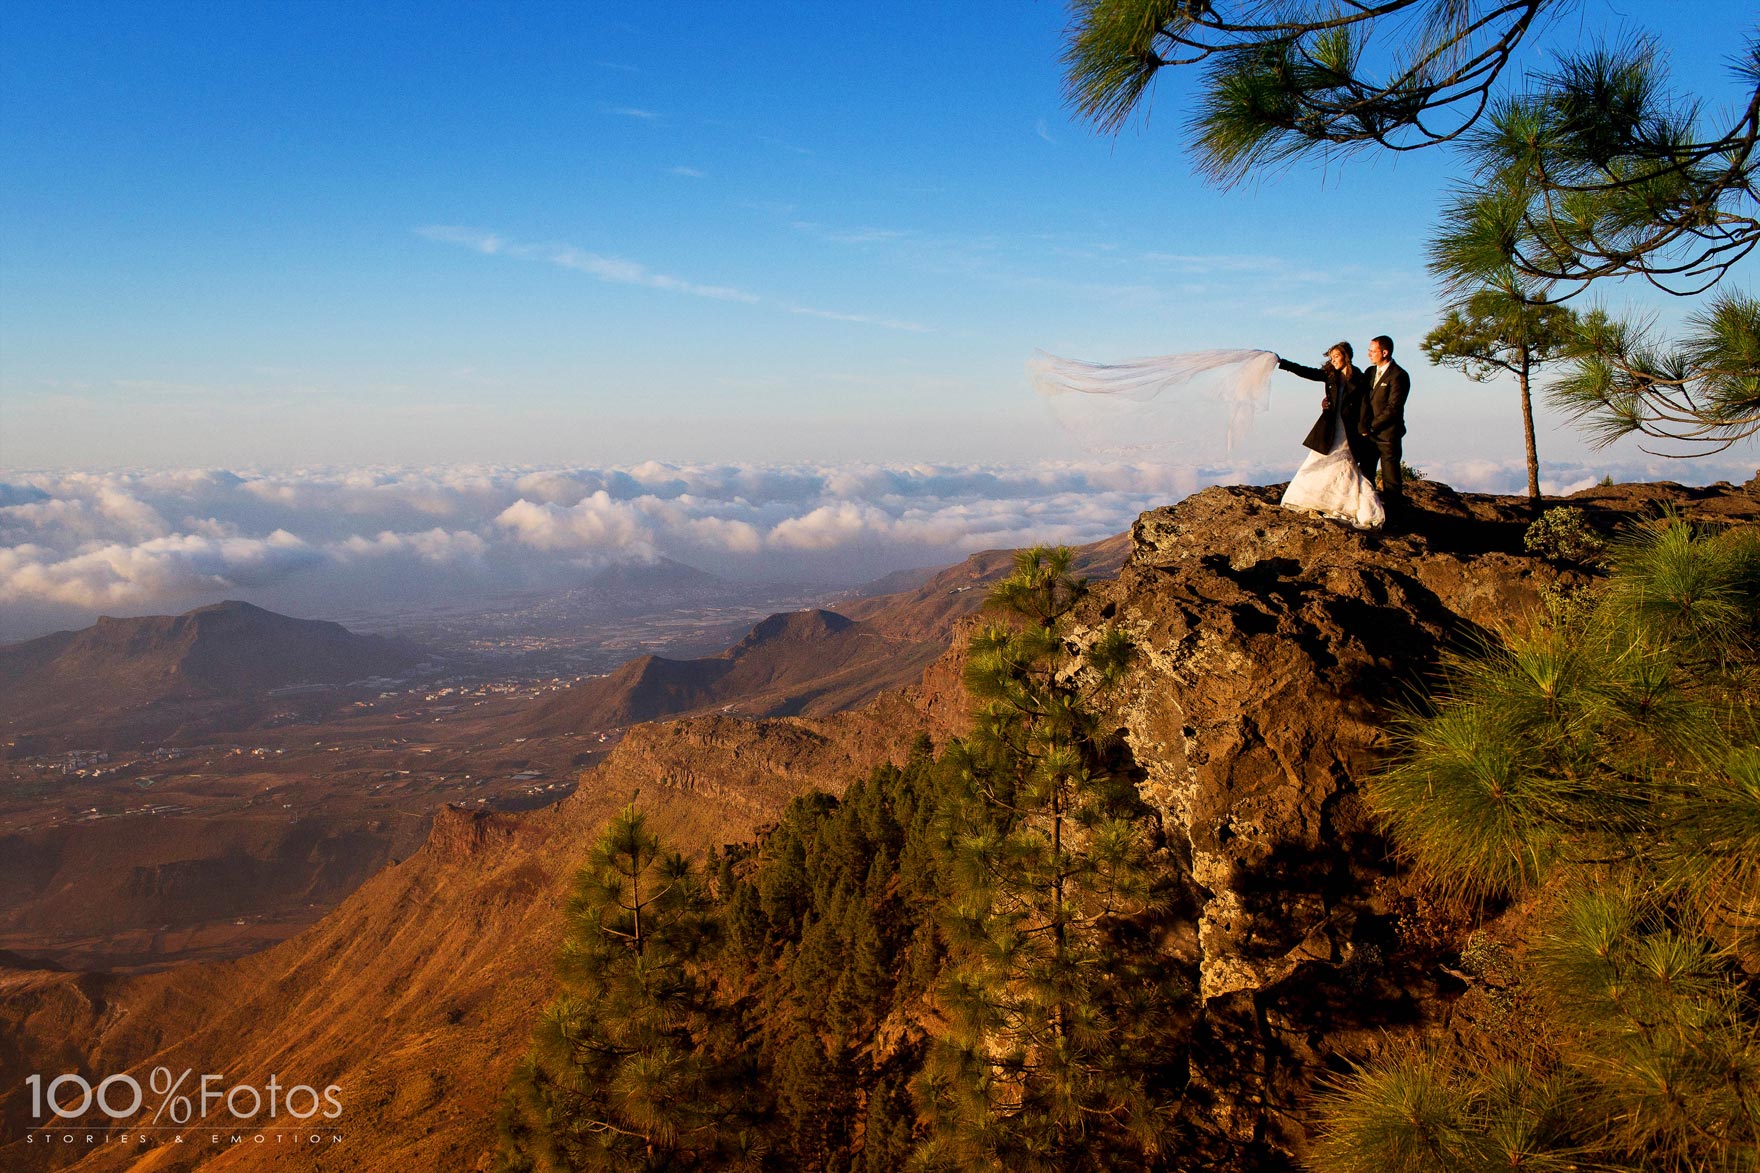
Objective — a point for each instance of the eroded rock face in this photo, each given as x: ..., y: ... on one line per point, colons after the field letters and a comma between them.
x: 1276, y: 649
x: 1275, y: 646
x: 458, y: 832
x: 758, y: 765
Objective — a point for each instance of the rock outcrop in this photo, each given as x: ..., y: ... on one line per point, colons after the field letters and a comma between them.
x: 1276, y: 650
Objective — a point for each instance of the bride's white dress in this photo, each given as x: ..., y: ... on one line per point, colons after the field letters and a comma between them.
x: 1330, y: 484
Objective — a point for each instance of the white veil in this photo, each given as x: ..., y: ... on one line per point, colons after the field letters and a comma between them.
x: 1199, y: 399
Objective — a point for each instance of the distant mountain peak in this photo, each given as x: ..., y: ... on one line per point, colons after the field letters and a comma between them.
x: 233, y: 607
x: 809, y: 624
x: 661, y: 570
x: 228, y: 650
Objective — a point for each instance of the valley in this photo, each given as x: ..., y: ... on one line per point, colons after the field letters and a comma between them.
x: 156, y: 809
x: 1273, y: 648
x: 122, y: 859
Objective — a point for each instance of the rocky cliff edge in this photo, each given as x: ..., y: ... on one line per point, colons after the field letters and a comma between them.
x: 1277, y: 649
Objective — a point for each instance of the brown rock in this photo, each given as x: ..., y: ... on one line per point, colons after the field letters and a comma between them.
x: 1276, y: 650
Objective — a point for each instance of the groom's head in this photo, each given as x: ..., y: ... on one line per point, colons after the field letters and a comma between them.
x: 1380, y: 349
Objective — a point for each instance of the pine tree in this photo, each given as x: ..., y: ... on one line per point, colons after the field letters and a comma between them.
x: 1055, y: 1000
x: 632, y: 1068
x: 888, y: 1125
x: 1606, y: 767
x: 1596, y: 168
x: 1281, y: 80
x: 832, y: 927
x: 1502, y: 330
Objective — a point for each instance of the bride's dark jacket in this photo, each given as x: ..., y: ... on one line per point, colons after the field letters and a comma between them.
x: 1343, y: 393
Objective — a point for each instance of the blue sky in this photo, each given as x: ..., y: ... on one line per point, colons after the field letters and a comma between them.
x: 280, y: 234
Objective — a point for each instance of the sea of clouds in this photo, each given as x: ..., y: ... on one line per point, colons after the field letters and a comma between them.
x: 327, y: 542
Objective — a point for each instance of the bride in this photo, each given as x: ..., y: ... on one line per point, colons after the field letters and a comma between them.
x: 1329, y: 482
x: 1157, y: 406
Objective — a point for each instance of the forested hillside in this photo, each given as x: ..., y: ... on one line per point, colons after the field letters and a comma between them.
x: 1003, y: 953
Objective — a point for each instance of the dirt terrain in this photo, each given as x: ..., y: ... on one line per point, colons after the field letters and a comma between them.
x: 162, y: 838
x: 1274, y: 649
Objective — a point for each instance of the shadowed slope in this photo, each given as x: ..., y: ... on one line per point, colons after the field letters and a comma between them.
x: 1272, y: 645
x: 788, y: 664
x: 221, y: 652
x: 807, y: 663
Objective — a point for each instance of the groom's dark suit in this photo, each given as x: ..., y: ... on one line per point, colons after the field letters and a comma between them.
x: 1381, y: 426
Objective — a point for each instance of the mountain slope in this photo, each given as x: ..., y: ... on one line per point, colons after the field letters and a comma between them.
x: 417, y: 994
x: 784, y: 665
x: 930, y: 611
x: 222, y: 651
x: 807, y: 663
x: 1273, y: 646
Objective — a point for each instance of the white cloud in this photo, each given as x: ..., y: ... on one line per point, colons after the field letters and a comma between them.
x: 595, y: 523
x: 617, y: 270
x: 73, y: 544
x: 622, y: 271
x: 168, y: 569
x: 437, y: 546
x: 860, y: 319
x: 864, y: 235
x: 555, y: 488
x: 739, y: 537
x: 829, y: 526
x: 472, y: 238
x: 327, y: 541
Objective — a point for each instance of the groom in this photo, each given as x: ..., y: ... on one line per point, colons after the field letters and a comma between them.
x: 1382, y: 424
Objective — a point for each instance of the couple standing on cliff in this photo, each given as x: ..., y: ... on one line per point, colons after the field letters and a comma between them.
x: 1362, y: 421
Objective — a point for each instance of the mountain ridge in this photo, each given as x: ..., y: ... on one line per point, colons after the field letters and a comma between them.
x: 218, y: 652
x: 810, y: 662
x: 1272, y: 646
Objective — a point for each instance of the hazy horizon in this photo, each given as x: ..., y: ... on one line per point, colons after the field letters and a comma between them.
x: 320, y: 543
x: 282, y: 284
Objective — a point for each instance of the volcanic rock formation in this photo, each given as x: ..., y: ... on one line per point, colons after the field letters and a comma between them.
x: 118, y: 667
x: 1276, y: 649
x: 803, y: 663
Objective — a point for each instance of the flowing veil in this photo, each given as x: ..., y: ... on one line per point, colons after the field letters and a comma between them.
x: 1169, y: 404
x: 1178, y: 406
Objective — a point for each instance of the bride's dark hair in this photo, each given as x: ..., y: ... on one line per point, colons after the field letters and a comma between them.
x: 1350, y: 355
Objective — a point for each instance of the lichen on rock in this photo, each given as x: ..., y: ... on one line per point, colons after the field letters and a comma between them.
x: 1276, y: 650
